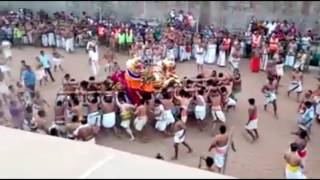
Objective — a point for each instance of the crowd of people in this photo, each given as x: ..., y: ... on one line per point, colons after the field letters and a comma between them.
x: 84, y: 107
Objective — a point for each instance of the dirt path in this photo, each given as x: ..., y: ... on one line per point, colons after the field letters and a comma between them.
x: 263, y: 159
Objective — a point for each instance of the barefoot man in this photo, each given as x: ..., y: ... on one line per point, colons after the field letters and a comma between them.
x: 109, y: 116
x: 216, y: 109
x: 293, y: 162
x: 220, y: 144
x: 252, y: 125
x: 141, y: 118
x: 200, y: 109
x: 125, y: 113
x: 179, y: 138
x: 184, y: 98
x: 167, y: 116
x: 296, y: 83
x: 269, y: 91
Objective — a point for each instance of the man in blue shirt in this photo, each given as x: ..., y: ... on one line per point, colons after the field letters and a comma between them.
x: 29, y: 78
x: 44, y: 59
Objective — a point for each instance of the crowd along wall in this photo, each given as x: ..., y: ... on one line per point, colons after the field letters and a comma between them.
x: 230, y: 14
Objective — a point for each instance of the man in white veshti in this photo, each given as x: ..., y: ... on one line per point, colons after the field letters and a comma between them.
x: 179, y: 138
x: 7, y: 55
x: 94, y: 60
x: 220, y: 144
x: 296, y: 83
x: 200, y: 109
x: 6, y: 50
x: 216, y: 109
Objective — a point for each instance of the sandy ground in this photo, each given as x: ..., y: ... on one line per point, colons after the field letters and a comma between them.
x: 262, y: 159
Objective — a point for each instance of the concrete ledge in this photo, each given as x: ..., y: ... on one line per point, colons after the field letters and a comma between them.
x: 29, y: 155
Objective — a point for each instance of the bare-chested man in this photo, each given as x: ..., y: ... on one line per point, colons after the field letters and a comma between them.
x: 216, y: 108
x: 93, y: 105
x: 293, y: 163
x: 269, y: 91
x: 141, y: 118
x: 158, y: 113
x: 167, y: 117
x: 227, y: 101
x: 109, y: 116
x: 179, y: 138
x: 184, y: 98
x: 39, y: 102
x: 308, y: 96
x: 85, y: 132
x: 220, y: 144
x: 296, y: 83
x: 59, y: 113
x: 200, y: 109
x: 125, y: 113
x: 77, y: 109
x: 252, y: 125
x: 57, y: 60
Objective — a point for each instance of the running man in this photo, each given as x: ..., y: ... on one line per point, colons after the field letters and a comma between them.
x: 296, y: 83
x: 179, y: 138
x: 269, y: 90
x: 252, y: 125
x: 220, y: 144
x: 125, y: 113
x: 184, y: 98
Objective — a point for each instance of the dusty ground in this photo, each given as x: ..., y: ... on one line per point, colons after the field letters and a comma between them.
x: 263, y: 159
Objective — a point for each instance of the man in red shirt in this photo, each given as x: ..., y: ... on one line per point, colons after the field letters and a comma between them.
x: 101, y: 31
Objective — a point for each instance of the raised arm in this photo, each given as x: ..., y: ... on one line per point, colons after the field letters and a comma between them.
x: 117, y: 100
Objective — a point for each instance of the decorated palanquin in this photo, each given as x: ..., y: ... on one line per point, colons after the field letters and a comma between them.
x: 150, y: 78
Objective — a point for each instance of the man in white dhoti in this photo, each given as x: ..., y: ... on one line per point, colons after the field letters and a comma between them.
x: 200, y: 108
x: 291, y: 54
x: 94, y: 61
x: 179, y: 138
x: 235, y: 58
x: 269, y: 91
x: 6, y: 50
x: 200, y: 56
x: 210, y: 57
x: 220, y: 144
x: 296, y: 84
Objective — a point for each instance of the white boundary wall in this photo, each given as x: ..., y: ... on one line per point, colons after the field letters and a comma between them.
x: 29, y: 155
